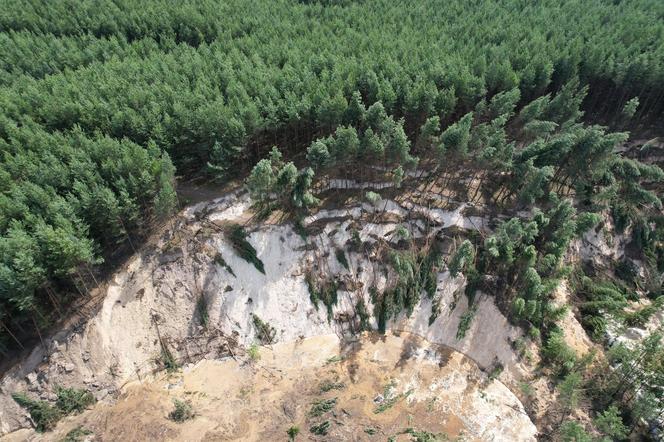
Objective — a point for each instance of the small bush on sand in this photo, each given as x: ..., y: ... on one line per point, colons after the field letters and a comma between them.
x: 254, y: 352
x: 182, y: 411
x: 292, y: 432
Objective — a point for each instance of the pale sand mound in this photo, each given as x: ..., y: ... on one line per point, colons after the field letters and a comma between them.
x: 432, y: 388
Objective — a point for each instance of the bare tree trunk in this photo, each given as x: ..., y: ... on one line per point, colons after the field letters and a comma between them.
x: 53, y: 300
x: 38, y: 332
x: 11, y: 334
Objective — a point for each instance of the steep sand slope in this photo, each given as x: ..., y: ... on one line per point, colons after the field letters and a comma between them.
x: 382, y: 385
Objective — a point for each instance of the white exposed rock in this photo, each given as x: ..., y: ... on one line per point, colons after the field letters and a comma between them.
x: 32, y: 378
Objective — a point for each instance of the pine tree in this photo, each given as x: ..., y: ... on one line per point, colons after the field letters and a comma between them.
x: 318, y: 155
x: 455, y: 138
x: 346, y: 145
x: 428, y: 133
x: 356, y: 112
x: 166, y: 199
x: 629, y: 110
x: 610, y: 424
x: 261, y: 181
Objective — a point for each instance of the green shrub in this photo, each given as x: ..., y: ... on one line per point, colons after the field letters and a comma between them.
x: 586, y: 221
x: 611, y: 424
x: 557, y: 353
x: 640, y: 317
x: 292, y: 432
x: 320, y: 429
x: 325, y: 291
x: 341, y: 257
x: 496, y: 370
x: 527, y: 389
x: 465, y: 322
x: 202, y: 310
x: 219, y: 260
x: 363, y: 314
x: 372, y: 197
x: 183, y: 411
x: 387, y: 404
x: 322, y: 406
x: 44, y: 415
x: 254, y: 352
x: 627, y: 271
x: 572, y: 431
x: 415, y: 271
x: 462, y: 258
x: 72, y: 400
x: 167, y: 359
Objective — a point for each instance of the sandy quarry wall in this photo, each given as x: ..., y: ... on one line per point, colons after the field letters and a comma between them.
x: 154, y: 300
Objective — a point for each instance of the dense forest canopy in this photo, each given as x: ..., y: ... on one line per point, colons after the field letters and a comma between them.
x: 103, y: 103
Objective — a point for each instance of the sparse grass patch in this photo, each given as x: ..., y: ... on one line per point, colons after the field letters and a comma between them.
x: 430, y: 404
x: 245, y: 392
x: 425, y: 436
x: 334, y: 359
x: 76, y: 435
x: 183, y: 411
x: 114, y: 370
